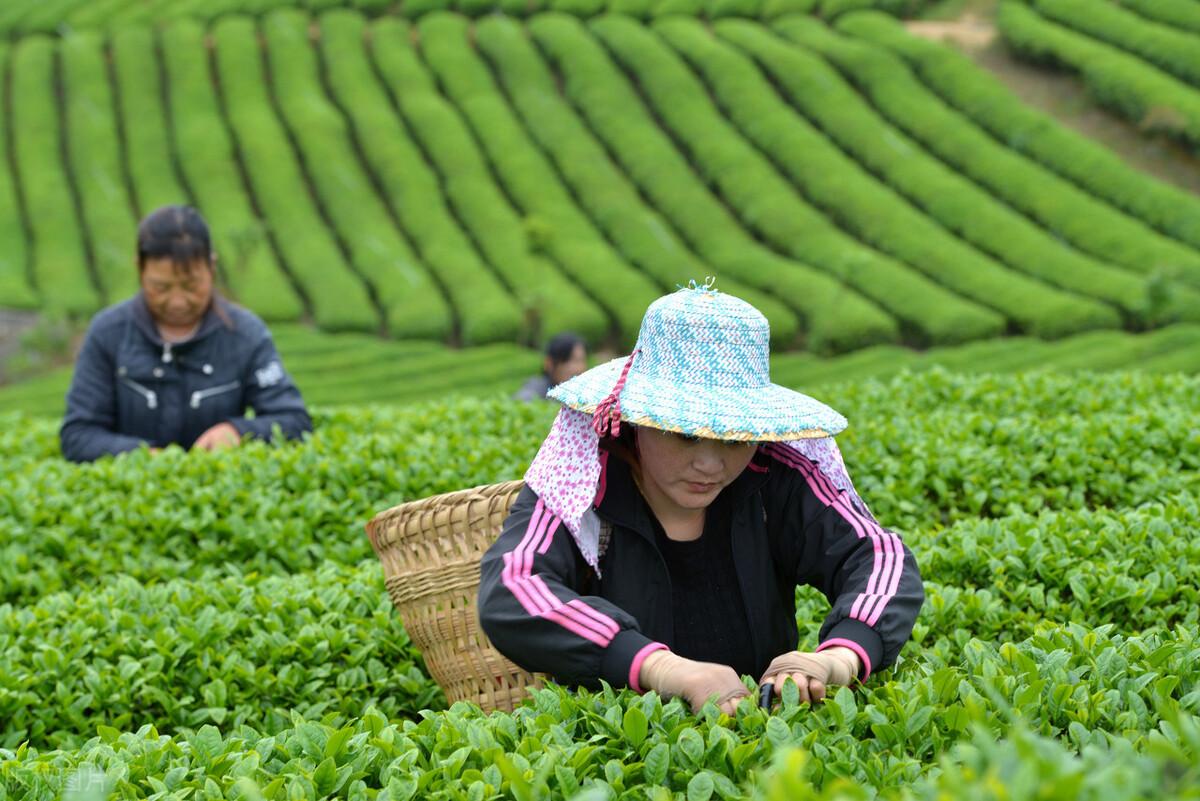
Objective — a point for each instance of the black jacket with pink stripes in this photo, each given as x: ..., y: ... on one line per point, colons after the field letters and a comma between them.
x: 545, y: 609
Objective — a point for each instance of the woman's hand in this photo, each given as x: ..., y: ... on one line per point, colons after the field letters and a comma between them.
x: 222, y: 435
x: 670, y: 675
x: 813, y: 672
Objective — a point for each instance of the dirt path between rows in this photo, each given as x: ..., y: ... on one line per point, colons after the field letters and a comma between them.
x: 1064, y: 97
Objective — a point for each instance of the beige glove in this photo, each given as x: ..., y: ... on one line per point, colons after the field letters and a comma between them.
x: 671, y: 675
x: 813, y: 672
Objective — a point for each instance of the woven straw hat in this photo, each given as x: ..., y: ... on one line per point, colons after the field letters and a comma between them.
x: 701, y: 367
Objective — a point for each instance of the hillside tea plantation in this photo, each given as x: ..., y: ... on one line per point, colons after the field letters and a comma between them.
x: 214, y: 626
x: 441, y: 172
x: 984, y: 250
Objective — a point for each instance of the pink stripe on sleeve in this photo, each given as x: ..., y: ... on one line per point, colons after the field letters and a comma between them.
x: 602, y: 625
x: 856, y: 609
x: 893, y: 585
x: 853, y: 646
x: 549, y: 601
x: 511, y: 559
x: 531, y: 533
x: 887, y: 564
x: 534, y: 595
x: 530, y: 544
x: 635, y: 668
x: 577, y: 609
x: 572, y: 625
x: 547, y: 534
x: 886, y: 569
x: 604, y: 621
x: 518, y: 589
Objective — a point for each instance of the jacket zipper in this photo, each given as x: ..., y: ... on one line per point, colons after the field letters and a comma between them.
x: 201, y: 394
x: 150, y: 395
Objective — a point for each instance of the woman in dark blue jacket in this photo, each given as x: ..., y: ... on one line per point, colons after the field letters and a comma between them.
x: 177, y: 363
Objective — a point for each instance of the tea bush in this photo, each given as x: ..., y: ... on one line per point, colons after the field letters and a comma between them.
x: 211, y: 169
x: 213, y: 625
x: 989, y: 103
x: 1066, y: 211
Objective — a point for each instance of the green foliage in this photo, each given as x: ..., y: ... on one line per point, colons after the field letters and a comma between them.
x: 14, y: 278
x: 339, y: 300
x: 1121, y: 82
x: 831, y: 9
x: 47, y: 342
x: 29, y: 16
x: 138, y: 90
x: 989, y: 103
x: 564, y: 181
x: 347, y: 368
x: 93, y: 150
x: 835, y: 317
x: 734, y: 8
x: 409, y: 185
x: 333, y: 370
x: 413, y: 189
x: 1063, y: 209
x: 778, y: 8
x: 523, y: 171
x: 488, y: 370
x: 227, y: 651
x: 1006, y: 576
x: 640, y: 233
x: 767, y: 204
x: 1182, y: 14
x: 235, y: 640
x: 1181, y: 360
x: 878, y: 215
x: 958, y: 204
x: 306, y: 504
x: 1022, y: 766
x: 207, y: 163
x: 885, y: 738
x: 214, y: 625
x: 1176, y: 52
x: 412, y: 303
x: 60, y: 263
x: 1060, y: 443
x: 1109, y: 350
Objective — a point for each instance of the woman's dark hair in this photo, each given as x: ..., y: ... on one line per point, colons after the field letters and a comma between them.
x: 561, y: 346
x: 177, y: 233
x: 180, y: 234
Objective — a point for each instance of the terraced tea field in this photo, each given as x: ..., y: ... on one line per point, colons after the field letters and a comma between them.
x: 1139, y: 58
x: 415, y: 193
x: 484, y: 180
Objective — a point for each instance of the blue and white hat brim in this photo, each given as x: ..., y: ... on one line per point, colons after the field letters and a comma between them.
x: 767, y: 413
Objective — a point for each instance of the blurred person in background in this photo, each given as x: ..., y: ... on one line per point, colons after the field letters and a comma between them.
x: 177, y: 363
x: 566, y: 357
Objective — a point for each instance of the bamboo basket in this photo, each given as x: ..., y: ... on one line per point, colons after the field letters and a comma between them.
x: 430, y: 550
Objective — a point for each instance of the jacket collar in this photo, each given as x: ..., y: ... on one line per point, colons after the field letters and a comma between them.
x: 621, y: 501
x: 209, y: 323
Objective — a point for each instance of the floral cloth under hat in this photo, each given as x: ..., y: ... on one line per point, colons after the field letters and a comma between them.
x: 700, y: 368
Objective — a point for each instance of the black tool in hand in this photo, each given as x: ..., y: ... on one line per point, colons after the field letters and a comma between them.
x: 764, y: 695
